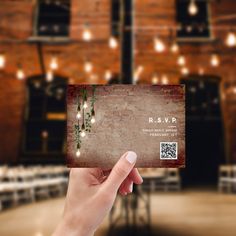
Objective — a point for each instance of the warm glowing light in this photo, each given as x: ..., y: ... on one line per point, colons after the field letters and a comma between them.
x: 78, y: 115
x: 138, y: 72
x: 93, y: 120
x: 44, y: 134
x: 155, y: 79
x: 181, y: 60
x: 49, y: 76
x: 164, y: 79
x: 185, y: 71
x: 88, y: 66
x: 231, y: 39
x: 159, y: 46
x: 193, y: 8
x: 20, y: 75
x: 78, y: 153
x: 201, y: 71
x: 2, y: 61
x: 87, y: 34
x: 113, y: 43
x: 82, y: 133
x: 85, y: 105
x: 108, y: 75
x: 174, y: 48
x: 54, y: 64
x: 234, y: 90
x: 215, y: 60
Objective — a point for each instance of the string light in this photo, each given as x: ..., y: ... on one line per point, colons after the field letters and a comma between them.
x: 2, y: 61
x: 231, y: 39
x: 49, y: 76
x: 193, y: 8
x: 174, y: 47
x: 108, y: 75
x: 164, y: 79
x: 113, y: 42
x: 78, y: 115
x: 78, y: 153
x: 159, y: 46
x: 54, y: 64
x: 85, y: 105
x: 201, y: 71
x: 83, y: 131
x: 181, y: 60
x: 215, y: 60
x: 93, y: 117
x: 155, y: 79
x: 88, y: 66
x: 184, y: 71
x: 20, y: 75
x: 87, y: 35
x: 137, y: 73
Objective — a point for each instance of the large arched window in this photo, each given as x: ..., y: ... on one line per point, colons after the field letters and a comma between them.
x: 45, y: 120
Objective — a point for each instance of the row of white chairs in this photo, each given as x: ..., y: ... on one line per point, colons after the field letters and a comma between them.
x: 20, y: 184
x: 227, y: 178
x: 165, y: 179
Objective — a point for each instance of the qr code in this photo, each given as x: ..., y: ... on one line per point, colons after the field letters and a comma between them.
x: 168, y: 150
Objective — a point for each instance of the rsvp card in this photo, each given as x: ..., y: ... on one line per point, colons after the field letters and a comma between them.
x: 105, y: 121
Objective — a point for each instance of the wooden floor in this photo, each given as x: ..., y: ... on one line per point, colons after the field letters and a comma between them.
x: 188, y: 213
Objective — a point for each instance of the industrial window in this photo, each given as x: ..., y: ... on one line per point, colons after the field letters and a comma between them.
x: 192, y: 19
x: 52, y: 18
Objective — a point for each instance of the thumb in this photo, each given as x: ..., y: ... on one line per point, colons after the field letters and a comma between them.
x: 120, y: 171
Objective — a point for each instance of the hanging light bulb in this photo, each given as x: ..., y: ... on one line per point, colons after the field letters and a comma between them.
x: 2, y: 61
x: 231, y: 39
x: 49, y: 76
x: 138, y: 72
x: 20, y: 75
x: 113, y: 43
x: 181, y: 60
x: 93, y: 117
x: 85, y: 105
x: 193, y: 8
x: 159, y: 46
x: 78, y: 153
x: 83, y: 131
x: 87, y: 35
x: 174, y: 47
x: 78, y: 115
x: 88, y: 66
x: 54, y: 64
x: 108, y: 75
x: 215, y: 60
x: 184, y: 71
x: 155, y: 79
x: 164, y: 79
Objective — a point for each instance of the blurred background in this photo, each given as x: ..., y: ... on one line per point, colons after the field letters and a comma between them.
x: 47, y: 44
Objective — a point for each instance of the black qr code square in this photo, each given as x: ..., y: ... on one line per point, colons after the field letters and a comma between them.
x: 168, y: 150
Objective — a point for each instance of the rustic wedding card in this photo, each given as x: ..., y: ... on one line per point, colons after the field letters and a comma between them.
x: 105, y: 121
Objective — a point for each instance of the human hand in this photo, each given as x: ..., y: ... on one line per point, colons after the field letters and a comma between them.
x: 91, y: 194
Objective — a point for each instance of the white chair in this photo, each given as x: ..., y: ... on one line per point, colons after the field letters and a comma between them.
x: 225, y: 178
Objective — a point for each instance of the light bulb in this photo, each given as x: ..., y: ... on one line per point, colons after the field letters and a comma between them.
x: 192, y: 8
x: 231, y: 39
x: 113, y: 42
x: 155, y: 79
x: 159, y: 46
x: 201, y: 71
x: 185, y: 71
x: 78, y: 153
x: 181, y: 60
x: 137, y: 73
x: 174, y: 48
x: 108, y: 75
x: 164, y: 79
x: 93, y: 120
x: 88, y: 66
x: 49, y: 76
x: 87, y: 35
x: 54, y: 64
x: 215, y: 60
x: 78, y: 115
x: 20, y: 75
x: 85, y: 105
x: 82, y: 133
x: 2, y: 61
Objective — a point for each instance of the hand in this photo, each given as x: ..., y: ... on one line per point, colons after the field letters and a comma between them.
x: 91, y: 194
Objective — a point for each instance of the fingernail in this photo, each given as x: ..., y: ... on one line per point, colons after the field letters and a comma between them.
x: 131, y: 157
x: 131, y: 188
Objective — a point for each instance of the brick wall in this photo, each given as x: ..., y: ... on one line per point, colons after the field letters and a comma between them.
x: 16, y: 28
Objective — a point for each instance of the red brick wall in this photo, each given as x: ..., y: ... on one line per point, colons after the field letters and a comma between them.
x: 16, y: 28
